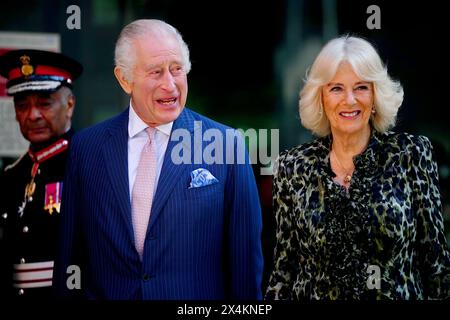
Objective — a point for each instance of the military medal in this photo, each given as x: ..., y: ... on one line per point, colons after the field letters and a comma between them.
x: 29, y: 191
x: 53, y: 193
x: 31, y: 186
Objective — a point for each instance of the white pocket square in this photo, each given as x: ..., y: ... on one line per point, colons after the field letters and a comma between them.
x: 201, y: 177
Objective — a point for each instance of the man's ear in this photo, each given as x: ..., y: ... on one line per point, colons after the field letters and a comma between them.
x: 124, y: 83
x: 70, y: 105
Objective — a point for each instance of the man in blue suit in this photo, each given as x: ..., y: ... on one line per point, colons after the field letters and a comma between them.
x: 143, y: 216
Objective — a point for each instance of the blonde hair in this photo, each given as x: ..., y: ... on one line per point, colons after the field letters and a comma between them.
x: 124, y: 56
x: 367, y: 64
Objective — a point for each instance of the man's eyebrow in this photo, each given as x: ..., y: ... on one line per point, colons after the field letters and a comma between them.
x: 44, y: 95
x: 172, y: 62
x: 151, y: 66
x: 180, y: 62
x: 37, y: 95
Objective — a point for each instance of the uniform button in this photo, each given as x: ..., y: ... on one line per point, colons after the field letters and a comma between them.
x: 22, y: 260
x: 146, y: 277
x: 5, y: 215
x: 25, y: 229
x: 21, y: 292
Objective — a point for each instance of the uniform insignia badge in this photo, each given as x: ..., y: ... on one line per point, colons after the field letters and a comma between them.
x: 21, y: 208
x: 26, y: 68
x: 53, y: 192
x: 29, y: 190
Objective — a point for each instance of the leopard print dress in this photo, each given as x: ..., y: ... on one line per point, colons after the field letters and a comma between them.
x: 383, y: 238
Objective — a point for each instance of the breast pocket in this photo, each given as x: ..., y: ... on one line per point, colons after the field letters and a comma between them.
x: 211, y: 191
x: 202, y: 200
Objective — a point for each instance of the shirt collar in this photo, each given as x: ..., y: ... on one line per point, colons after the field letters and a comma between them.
x: 136, y: 125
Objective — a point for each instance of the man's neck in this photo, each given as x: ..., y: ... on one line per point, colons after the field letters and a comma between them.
x: 41, y: 145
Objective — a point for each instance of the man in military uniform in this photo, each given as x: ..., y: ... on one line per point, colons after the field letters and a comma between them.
x: 30, y: 188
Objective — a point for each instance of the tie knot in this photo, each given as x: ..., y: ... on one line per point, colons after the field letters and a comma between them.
x: 151, y: 133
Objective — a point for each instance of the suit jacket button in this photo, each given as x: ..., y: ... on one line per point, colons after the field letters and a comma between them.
x: 22, y: 260
x: 146, y: 277
x: 25, y: 229
x: 21, y: 292
x: 5, y: 215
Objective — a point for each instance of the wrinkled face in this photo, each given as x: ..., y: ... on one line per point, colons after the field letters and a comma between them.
x: 43, y: 116
x: 348, y: 101
x: 158, y: 87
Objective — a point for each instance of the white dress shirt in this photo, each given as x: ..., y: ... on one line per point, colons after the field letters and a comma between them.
x: 137, y: 138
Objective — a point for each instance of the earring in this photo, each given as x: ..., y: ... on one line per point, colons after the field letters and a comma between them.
x: 373, y: 110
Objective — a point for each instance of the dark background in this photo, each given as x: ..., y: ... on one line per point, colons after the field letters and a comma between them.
x: 249, y: 59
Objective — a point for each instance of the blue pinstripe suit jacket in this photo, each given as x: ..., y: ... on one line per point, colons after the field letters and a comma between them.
x: 201, y: 243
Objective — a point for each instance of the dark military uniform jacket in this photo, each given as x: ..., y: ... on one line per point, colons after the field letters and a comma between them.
x: 30, y: 219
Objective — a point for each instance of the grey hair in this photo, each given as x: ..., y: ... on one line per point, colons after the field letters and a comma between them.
x: 124, y: 56
x: 367, y: 64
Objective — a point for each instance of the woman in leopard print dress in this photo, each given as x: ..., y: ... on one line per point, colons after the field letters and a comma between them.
x: 358, y: 210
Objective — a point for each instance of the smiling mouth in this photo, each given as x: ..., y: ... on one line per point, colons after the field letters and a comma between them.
x: 167, y: 102
x: 350, y: 114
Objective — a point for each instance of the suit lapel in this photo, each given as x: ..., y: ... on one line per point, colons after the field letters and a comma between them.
x: 170, y: 173
x: 115, y: 151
